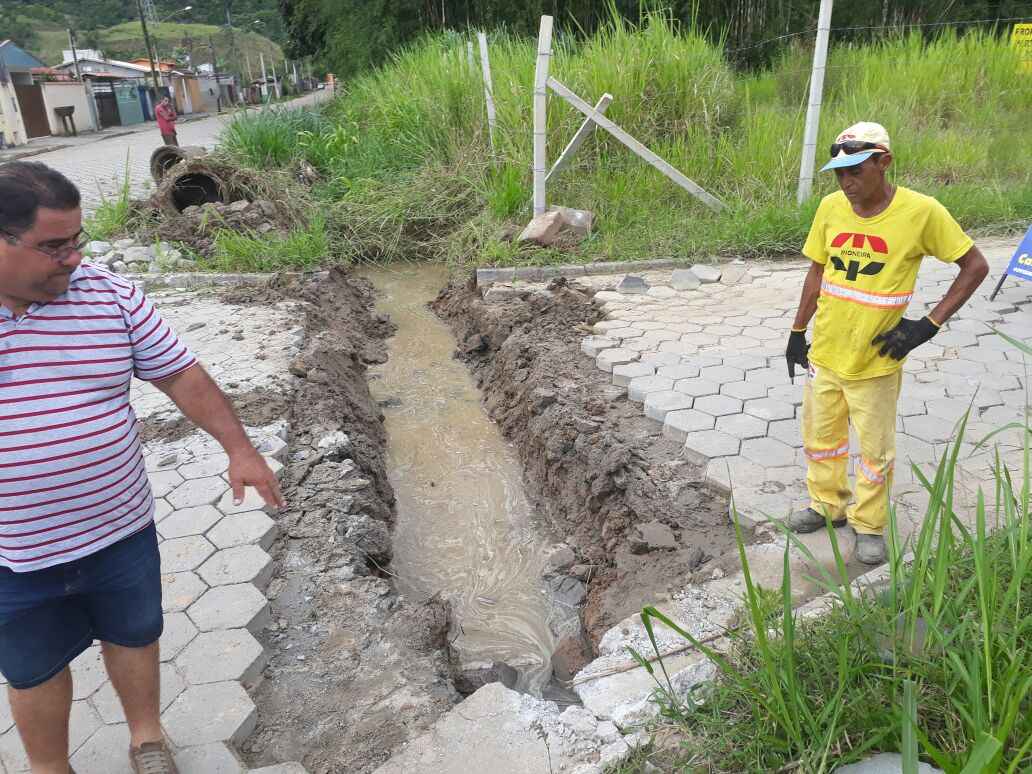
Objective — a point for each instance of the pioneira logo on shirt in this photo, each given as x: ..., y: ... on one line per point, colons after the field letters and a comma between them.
x: 876, y: 242
x: 856, y: 252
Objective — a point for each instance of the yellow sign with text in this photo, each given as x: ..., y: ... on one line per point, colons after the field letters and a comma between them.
x: 1021, y: 40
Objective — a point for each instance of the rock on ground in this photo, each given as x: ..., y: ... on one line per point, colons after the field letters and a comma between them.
x: 884, y: 763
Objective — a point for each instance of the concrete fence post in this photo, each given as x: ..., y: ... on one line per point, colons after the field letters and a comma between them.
x: 541, y: 114
x: 813, y: 109
x: 485, y: 64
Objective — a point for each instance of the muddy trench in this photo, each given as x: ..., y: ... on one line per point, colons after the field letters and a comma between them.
x: 466, y: 495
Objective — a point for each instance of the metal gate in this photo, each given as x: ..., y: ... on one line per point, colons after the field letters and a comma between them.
x: 34, y: 115
x: 107, y: 104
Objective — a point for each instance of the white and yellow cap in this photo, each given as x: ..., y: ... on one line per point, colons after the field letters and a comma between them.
x: 863, y: 132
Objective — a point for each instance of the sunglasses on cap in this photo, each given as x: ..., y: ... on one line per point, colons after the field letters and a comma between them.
x: 850, y: 147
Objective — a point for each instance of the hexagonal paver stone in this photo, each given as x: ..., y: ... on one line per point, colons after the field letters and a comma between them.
x: 722, y: 374
x: 88, y: 673
x: 185, y: 553
x: 241, y: 529
x: 638, y: 389
x: 953, y: 338
x: 230, y: 607
x: 608, y: 358
x: 164, y: 482
x: 697, y: 388
x: 659, y: 404
x: 215, y: 712
x: 281, y: 768
x: 769, y: 452
x: 678, y: 424
x: 202, y: 467
x: 108, y: 705
x: 742, y: 426
x: 660, y: 359
x: 189, y: 521
x: 679, y: 371
x: 179, y: 590
x: 228, y: 654
x: 623, y: 374
x: 947, y: 408
x: 240, y: 564
x: 252, y: 502
x: 199, y: 491
x: 106, y: 750
x: 791, y: 394
x: 592, y: 345
x: 788, y: 431
x: 705, y: 445
x: 161, y: 509
x: 176, y: 634
x: 769, y: 408
x: 214, y: 758
x: 718, y: 405
x: 6, y: 718
x: 928, y: 428
x: 744, y: 390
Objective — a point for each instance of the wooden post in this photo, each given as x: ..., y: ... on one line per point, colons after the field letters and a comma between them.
x: 651, y: 158
x: 541, y: 114
x: 485, y: 64
x: 813, y: 109
x: 585, y: 129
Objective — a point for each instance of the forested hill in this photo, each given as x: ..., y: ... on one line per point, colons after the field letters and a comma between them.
x: 350, y: 35
x: 20, y: 19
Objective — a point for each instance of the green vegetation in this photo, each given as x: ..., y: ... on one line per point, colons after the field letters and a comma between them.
x: 114, y: 216
x: 408, y: 172
x: 303, y: 248
x: 938, y: 665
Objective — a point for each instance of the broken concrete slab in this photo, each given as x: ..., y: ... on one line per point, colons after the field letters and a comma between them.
x: 684, y: 279
x: 706, y: 274
x: 633, y: 285
x: 503, y: 732
x: 884, y: 763
x: 652, y: 536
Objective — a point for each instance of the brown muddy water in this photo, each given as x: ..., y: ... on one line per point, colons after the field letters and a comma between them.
x: 464, y: 526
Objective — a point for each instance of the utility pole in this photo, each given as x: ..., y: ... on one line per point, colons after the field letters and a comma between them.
x: 215, y: 74
x: 813, y: 109
x: 150, y: 51
x: 90, y: 103
x: 225, y: 7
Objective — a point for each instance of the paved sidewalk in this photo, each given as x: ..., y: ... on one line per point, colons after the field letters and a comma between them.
x: 709, y: 364
x: 99, y: 166
x: 213, y: 555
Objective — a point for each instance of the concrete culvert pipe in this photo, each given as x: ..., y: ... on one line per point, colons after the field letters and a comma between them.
x: 196, y: 188
x: 165, y: 157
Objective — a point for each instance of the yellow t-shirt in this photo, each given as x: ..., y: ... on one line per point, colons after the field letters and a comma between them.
x: 870, y: 269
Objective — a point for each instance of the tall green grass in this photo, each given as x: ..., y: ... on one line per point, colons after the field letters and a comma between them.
x: 937, y: 666
x: 957, y: 107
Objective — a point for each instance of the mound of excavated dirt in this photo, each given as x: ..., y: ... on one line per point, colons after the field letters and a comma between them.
x: 596, y: 467
x: 355, y: 671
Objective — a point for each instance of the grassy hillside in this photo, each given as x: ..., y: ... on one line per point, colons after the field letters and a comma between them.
x: 125, y: 41
x: 405, y: 148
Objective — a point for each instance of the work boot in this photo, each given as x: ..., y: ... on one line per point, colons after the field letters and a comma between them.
x: 808, y: 520
x: 870, y: 549
x: 152, y: 758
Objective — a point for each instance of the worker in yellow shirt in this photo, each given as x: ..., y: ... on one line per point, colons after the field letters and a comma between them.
x: 866, y: 245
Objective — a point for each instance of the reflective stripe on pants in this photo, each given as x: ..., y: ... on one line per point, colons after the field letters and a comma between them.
x: 830, y: 405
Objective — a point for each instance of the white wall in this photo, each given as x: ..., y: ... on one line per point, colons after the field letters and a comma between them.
x: 60, y: 93
x: 11, y: 123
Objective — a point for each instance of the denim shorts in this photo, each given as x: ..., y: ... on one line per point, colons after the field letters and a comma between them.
x: 50, y: 616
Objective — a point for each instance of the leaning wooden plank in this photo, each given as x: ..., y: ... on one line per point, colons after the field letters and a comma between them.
x: 485, y: 63
x: 585, y: 129
x: 694, y: 189
x: 541, y: 113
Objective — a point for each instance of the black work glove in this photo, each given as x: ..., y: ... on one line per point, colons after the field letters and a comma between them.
x: 907, y: 335
x: 796, y: 352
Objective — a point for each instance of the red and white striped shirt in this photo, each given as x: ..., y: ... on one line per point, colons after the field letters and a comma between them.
x: 72, y: 478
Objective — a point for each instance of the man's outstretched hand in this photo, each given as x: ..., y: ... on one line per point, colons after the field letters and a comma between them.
x: 907, y: 335
x: 249, y: 468
x: 796, y: 353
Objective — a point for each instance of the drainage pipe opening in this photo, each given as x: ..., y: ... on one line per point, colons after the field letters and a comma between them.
x: 196, y: 188
x: 167, y: 156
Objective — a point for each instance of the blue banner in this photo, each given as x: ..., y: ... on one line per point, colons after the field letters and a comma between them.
x: 1020, y: 265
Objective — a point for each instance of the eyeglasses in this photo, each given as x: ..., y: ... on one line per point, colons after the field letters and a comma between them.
x: 75, y: 244
x: 849, y: 147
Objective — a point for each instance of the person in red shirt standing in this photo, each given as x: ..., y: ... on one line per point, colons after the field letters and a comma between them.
x: 166, y: 115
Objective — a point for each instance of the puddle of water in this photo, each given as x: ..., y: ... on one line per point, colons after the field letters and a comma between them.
x: 464, y: 526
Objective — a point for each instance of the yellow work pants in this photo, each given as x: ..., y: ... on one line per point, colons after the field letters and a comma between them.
x: 830, y: 405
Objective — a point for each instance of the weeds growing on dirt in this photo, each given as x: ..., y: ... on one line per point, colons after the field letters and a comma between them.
x: 114, y: 214
x: 305, y: 247
x: 937, y: 666
x: 956, y: 107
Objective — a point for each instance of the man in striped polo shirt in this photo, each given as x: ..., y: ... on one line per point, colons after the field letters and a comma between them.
x: 78, y: 548
x: 866, y: 245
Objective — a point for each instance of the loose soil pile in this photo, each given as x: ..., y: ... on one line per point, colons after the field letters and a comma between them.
x: 597, y: 467
x: 355, y: 671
